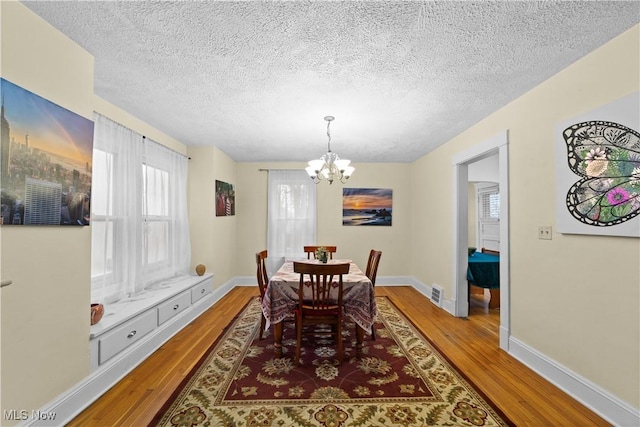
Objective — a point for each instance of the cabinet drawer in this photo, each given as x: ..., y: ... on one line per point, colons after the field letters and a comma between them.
x: 125, y: 335
x: 174, y: 306
x: 200, y: 290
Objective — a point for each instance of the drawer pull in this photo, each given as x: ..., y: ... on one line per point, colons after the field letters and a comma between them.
x: 175, y: 307
x: 132, y: 334
x: 202, y: 291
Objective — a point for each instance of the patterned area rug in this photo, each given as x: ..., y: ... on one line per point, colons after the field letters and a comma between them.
x: 400, y: 380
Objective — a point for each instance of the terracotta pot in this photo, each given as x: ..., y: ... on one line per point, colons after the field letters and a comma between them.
x: 97, y: 310
x: 200, y: 269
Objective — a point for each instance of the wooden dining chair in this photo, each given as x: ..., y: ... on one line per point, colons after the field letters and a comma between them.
x: 319, y: 305
x: 371, y: 273
x: 311, y: 250
x: 263, y: 281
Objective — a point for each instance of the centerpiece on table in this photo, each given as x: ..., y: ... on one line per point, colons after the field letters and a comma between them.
x: 322, y: 255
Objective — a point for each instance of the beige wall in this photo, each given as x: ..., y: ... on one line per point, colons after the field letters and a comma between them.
x: 45, y: 312
x: 574, y: 299
x: 353, y: 242
x: 213, y: 239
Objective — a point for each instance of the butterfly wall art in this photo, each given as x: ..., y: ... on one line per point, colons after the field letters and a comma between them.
x: 606, y: 155
x: 601, y: 193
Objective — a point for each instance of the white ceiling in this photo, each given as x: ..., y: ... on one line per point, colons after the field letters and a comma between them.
x: 257, y: 78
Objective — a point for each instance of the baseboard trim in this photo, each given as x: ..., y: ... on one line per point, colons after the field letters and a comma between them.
x: 603, y: 403
x: 75, y: 400
x: 71, y: 403
x: 589, y: 394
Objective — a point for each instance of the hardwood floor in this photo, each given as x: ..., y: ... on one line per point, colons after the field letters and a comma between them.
x: 471, y: 344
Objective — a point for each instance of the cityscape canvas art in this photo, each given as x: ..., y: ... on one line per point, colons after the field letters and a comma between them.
x: 367, y: 206
x: 45, y: 161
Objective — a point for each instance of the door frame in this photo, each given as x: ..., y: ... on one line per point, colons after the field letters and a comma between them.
x: 497, y: 144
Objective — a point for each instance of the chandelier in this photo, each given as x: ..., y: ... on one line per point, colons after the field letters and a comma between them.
x: 330, y: 166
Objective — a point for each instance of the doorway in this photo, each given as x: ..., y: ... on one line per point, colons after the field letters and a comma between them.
x: 495, y: 145
x: 484, y: 232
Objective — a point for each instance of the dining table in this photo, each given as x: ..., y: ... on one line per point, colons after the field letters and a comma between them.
x: 483, y: 270
x: 281, y: 299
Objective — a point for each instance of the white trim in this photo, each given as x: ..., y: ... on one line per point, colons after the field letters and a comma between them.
x: 481, y: 150
x: 505, y: 255
x: 498, y: 143
x: 75, y: 400
x: 244, y: 281
x: 460, y: 240
x: 72, y: 402
x: 589, y: 394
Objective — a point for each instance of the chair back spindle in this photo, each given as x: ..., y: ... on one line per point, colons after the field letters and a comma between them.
x: 311, y: 250
x: 372, y: 273
x: 372, y: 265
x: 263, y: 281
x: 261, y: 271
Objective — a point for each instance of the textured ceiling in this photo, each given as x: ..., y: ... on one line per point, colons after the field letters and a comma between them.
x: 257, y: 78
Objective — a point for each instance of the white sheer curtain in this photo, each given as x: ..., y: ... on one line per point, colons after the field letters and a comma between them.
x: 291, y: 216
x: 166, y: 241
x: 140, y: 230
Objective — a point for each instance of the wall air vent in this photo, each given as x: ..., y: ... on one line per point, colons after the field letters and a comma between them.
x: 437, y: 293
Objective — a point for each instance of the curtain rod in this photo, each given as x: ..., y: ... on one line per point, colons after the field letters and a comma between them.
x: 276, y: 169
x: 164, y: 146
x: 143, y: 136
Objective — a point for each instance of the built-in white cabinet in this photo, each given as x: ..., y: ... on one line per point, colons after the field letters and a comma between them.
x: 136, y: 327
x: 199, y: 291
x: 121, y: 337
x: 175, y: 305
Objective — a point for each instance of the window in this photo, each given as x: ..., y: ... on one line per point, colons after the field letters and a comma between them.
x: 103, y: 222
x: 157, y: 231
x: 291, y: 216
x: 489, y: 203
x: 140, y: 230
x: 488, y: 216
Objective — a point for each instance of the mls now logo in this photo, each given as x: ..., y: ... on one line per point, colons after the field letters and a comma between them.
x: 15, y: 415
x: 23, y: 415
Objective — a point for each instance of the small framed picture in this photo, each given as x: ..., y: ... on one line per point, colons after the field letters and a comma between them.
x: 225, y: 199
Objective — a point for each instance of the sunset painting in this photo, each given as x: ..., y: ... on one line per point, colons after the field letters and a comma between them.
x: 45, y: 161
x: 367, y: 206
